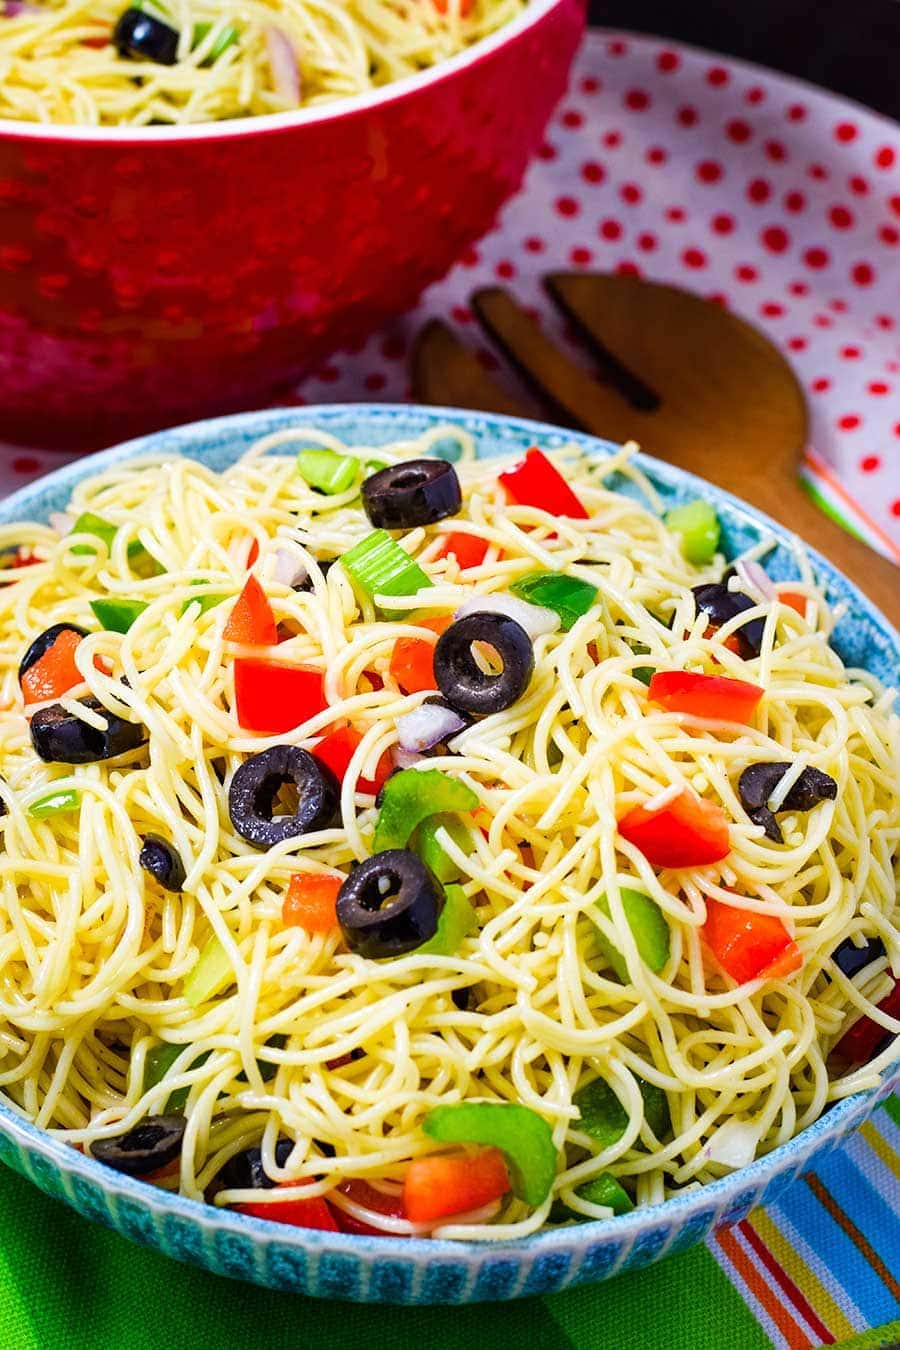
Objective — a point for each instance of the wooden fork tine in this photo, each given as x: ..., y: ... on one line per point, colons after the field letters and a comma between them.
x: 446, y: 372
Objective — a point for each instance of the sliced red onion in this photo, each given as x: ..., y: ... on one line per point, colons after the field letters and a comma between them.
x: 535, y: 619
x: 427, y: 726
x: 288, y: 568
x: 284, y: 63
x: 13, y: 8
x: 405, y: 759
x: 733, y: 1144
x: 754, y: 576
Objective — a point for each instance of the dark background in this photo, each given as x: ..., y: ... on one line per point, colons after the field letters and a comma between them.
x: 852, y: 46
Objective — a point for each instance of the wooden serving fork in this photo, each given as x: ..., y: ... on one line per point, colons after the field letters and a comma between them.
x: 690, y: 381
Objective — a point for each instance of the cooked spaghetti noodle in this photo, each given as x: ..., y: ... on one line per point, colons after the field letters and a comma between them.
x: 301, y: 1038
x: 67, y: 61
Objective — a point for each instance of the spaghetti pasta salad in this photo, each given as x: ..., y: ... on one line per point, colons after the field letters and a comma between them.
x: 111, y: 63
x: 398, y: 841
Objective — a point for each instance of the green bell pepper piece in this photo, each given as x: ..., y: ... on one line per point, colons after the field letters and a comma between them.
x: 158, y: 1063
x: 520, y: 1133
x: 605, y: 1119
x: 117, y: 616
x: 328, y: 471
x: 458, y: 919
x: 89, y: 523
x: 212, y: 973
x: 605, y: 1190
x: 651, y: 932
x: 267, y: 1067
x: 204, y: 601
x: 373, y: 466
x: 227, y: 38
x: 410, y: 797
x: 698, y: 526
x: 429, y: 850
x: 55, y: 803
x: 570, y: 597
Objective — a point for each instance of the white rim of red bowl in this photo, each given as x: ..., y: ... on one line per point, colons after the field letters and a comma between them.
x: 531, y: 16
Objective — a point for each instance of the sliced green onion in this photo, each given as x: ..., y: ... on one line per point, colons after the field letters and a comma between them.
x: 570, y: 597
x: 651, y: 932
x: 698, y: 527
x: 520, y: 1133
x: 410, y: 797
x: 117, y: 616
x: 431, y: 852
x: 605, y: 1190
x: 458, y: 919
x: 55, y: 803
x: 212, y: 973
x: 379, y: 566
x: 227, y: 38
x: 328, y: 471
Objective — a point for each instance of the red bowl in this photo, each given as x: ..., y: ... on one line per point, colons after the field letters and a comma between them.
x: 151, y: 276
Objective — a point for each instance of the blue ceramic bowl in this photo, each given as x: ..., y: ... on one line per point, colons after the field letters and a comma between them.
x: 415, y: 1271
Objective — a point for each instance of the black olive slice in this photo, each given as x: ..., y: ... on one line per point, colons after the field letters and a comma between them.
x: 44, y: 642
x: 306, y: 583
x: 152, y: 1144
x: 720, y: 604
x: 813, y: 786
x: 60, y: 738
x: 244, y: 1172
x: 256, y: 784
x: 758, y: 781
x: 389, y: 905
x: 145, y: 37
x: 852, y: 959
x: 163, y: 862
x: 418, y: 492
x: 463, y: 682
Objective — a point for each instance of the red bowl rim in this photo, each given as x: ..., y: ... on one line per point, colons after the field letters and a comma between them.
x: 534, y: 13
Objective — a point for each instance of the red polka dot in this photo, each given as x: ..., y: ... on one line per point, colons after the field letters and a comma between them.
x: 592, y: 172
x: 894, y: 203
x: 755, y: 94
x: 878, y: 388
x: 506, y: 270
x: 26, y: 464
x: 717, y: 76
x: 821, y: 385
x: 461, y: 313
x: 895, y: 506
x: 471, y: 258
x: 869, y: 463
x: 884, y: 321
x: 581, y: 256
x: 708, y: 171
x: 547, y: 151
x: 676, y: 214
x: 374, y: 382
x: 688, y: 116
x: 647, y: 242
x: 889, y: 234
x: 738, y: 130
x: 858, y: 185
x: 572, y: 118
x: 772, y: 310
x: 758, y: 190
x: 746, y: 273
x: 794, y: 202
x: 885, y: 158
x: 610, y: 229
x: 849, y: 422
x: 612, y: 140
x: 656, y: 155
x: 590, y: 85
x: 839, y: 306
x: 534, y: 244
x: 637, y: 100
x: 626, y: 268
x: 797, y: 344
x: 616, y: 48
x: 631, y: 193
x: 863, y: 274
x: 718, y: 298
x: 567, y: 206
x: 796, y: 112
x: 694, y: 257
x: 722, y: 224
x: 798, y: 288
x: 823, y: 320
x: 841, y: 217
x: 818, y: 171
x: 776, y: 151
x: 816, y: 258
x: 850, y: 353
x: 667, y: 62
x: 845, y: 131
x: 775, y: 239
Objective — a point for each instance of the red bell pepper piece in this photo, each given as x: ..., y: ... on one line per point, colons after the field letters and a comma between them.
x: 440, y: 1185
x: 361, y: 1193
x: 412, y: 660
x: 338, y: 748
x: 251, y: 621
x: 312, y: 1213
x: 795, y: 600
x: 748, y: 945
x: 535, y: 482
x: 468, y: 549
x: 310, y: 902
x: 55, y: 673
x: 686, y: 832
x: 712, y: 696
x: 465, y: 7
x: 273, y: 697
x: 859, y: 1044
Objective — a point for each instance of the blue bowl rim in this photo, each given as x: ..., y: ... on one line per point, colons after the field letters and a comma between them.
x: 714, y: 1196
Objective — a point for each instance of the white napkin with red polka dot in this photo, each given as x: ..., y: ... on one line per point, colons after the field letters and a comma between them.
x: 771, y: 196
